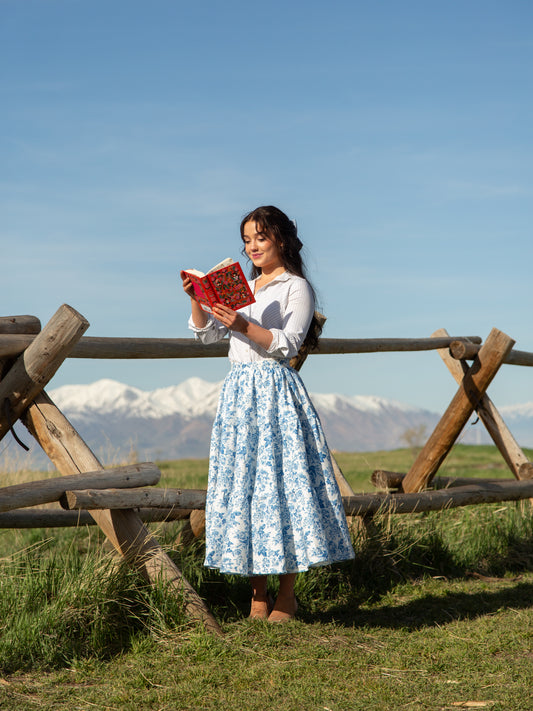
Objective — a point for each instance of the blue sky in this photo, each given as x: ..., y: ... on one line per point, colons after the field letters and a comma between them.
x: 135, y: 135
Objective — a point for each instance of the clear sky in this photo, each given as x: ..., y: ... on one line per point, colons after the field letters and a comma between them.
x: 135, y: 135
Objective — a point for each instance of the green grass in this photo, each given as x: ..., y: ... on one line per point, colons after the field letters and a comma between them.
x: 435, y: 610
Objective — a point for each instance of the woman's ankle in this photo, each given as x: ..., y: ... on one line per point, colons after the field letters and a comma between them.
x: 286, y: 585
x: 260, y: 597
x: 259, y: 587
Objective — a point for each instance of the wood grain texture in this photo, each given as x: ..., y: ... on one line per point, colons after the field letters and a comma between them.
x: 488, y: 414
x: 45, y: 491
x: 123, y: 528
x: 472, y: 388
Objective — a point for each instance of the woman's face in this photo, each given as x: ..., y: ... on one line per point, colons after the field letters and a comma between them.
x: 260, y: 248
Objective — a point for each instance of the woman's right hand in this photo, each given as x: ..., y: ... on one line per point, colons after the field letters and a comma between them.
x: 199, y: 316
x: 188, y: 287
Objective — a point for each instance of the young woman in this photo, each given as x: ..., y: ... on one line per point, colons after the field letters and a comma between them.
x: 273, y: 505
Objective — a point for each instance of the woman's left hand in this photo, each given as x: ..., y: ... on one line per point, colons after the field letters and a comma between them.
x: 229, y: 318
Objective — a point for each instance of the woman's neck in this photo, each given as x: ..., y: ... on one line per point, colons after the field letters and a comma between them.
x: 271, y: 273
x: 266, y: 277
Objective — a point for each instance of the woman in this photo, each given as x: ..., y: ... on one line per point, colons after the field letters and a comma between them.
x: 273, y: 506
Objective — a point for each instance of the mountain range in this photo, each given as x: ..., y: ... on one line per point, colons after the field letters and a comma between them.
x: 175, y: 422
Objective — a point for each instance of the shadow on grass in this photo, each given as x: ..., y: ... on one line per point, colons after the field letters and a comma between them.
x: 433, y: 609
x: 359, y: 587
x: 389, y: 557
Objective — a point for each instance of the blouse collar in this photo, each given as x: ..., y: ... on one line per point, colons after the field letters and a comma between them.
x: 284, y: 276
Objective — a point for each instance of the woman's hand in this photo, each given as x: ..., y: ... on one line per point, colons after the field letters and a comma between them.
x: 188, y: 287
x: 235, y: 322
x: 199, y: 316
x: 229, y: 318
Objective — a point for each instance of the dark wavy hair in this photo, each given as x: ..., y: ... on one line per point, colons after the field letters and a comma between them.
x: 284, y: 232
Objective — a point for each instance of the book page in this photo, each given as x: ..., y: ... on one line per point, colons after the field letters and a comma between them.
x: 224, y: 263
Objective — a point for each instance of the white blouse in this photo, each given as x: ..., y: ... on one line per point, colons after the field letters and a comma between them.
x: 284, y: 306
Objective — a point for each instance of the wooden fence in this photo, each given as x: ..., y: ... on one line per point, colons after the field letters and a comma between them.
x: 120, y: 500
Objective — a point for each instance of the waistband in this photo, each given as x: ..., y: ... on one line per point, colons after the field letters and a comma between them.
x: 264, y: 363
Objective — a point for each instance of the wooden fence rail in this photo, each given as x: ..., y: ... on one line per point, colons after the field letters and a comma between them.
x: 153, y: 348
x: 468, y: 351
x: 44, y: 491
x: 111, y: 348
x: 485, y: 492
x: 57, y: 518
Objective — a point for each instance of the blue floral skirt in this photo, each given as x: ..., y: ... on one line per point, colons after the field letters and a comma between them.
x: 273, y: 504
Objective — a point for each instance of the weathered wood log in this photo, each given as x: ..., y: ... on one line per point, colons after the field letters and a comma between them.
x: 19, y: 324
x: 488, y: 414
x: 138, y: 348
x: 124, y: 528
x: 13, y: 344
x: 37, y: 365
x: 89, y: 499
x: 468, y: 351
x: 448, y: 482
x: 486, y: 493
x: 384, y: 345
x: 472, y: 388
x: 57, y: 518
x: 45, y: 491
x: 123, y: 348
x: 383, y: 479
x: 344, y: 487
x: 193, y: 528
x: 15, y: 325
x: 526, y: 471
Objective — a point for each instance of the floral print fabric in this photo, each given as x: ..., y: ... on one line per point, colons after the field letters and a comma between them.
x: 273, y: 504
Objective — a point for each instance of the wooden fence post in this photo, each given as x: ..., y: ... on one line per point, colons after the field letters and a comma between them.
x: 124, y: 529
x: 472, y: 388
x: 488, y: 414
x: 33, y: 369
x: 22, y: 390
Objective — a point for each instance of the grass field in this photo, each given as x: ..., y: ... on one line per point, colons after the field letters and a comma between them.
x: 435, y: 612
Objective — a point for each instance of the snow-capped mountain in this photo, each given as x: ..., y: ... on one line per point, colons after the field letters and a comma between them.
x: 193, y: 398
x: 175, y: 422
x: 517, y: 412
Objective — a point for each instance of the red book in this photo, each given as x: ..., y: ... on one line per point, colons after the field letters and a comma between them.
x: 223, y: 284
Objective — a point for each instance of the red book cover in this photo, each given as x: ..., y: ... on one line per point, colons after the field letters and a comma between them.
x: 224, y: 284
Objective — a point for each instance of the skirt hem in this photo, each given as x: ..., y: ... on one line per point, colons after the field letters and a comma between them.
x: 299, y: 569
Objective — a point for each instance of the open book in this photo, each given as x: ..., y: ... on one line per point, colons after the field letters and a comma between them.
x: 225, y: 284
